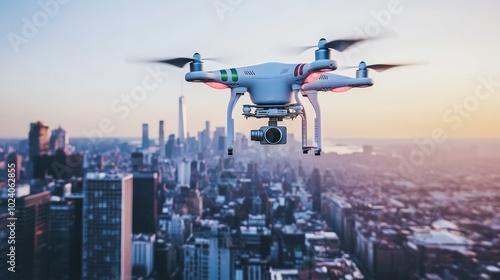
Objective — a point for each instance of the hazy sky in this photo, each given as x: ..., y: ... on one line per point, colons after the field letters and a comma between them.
x: 66, y: 63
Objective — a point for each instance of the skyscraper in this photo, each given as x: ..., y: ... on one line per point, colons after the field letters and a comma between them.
x: 137, y: 161
x: 207, y: 254
x: 58, y: 140
x: 219, y: 139
x: 32, y: 233
x: 161, y: 141
x: 143, y: 249
x: 38, y: 140
x: 170, y: 146
x: 145, y: 203
x: 17, y: 160
x: 62, y: 241
x: 145, y: 136
x: 5, y: 274
x: 107, y: 228
x: 76, y: 266
x: 182, y: 119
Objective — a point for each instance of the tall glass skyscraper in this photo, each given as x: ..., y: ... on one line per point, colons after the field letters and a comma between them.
x: 107, y: 226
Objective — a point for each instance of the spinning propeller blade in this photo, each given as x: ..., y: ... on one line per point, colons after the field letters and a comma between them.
x: 177, y: 62
x: 338, y: 45
x: 342, y: 45
x: 381, y: 67
x: 182, y: 61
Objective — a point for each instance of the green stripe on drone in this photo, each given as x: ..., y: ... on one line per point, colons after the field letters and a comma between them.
x: 234, y: 75
x: 223, y: 75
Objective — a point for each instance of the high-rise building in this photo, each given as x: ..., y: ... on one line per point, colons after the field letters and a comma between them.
x: 32, y: 233
x: 4, y: 245
x: 207, y: 255
x: 182, y: 119
x: 183, y: 173
x: 145, y: 136
x: 170, y: 146
x: 196, y: 259
x: 107, y: 227
x: 63, y: 248
x: 58, y: 140
x: 192, y: 201
x: 137, y: 161
x: 165, y: 259
x: 14, y: 158
x: 315, y: 184
x: 58, y: 166
x: 175, y: 228
x: 219, y: 139
x: 161, y: 142
x: 205, y: 140
x: 145, y: 203
x: 207, y: 129
x: 143, y: 250
x: 76, y: 265
x: 38, y: 140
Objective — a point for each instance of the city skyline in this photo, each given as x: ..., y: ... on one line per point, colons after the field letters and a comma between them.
x: 46, y: 72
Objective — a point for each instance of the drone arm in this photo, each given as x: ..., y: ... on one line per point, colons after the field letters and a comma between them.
x: 236, y: 93
x: 201, y: 76
x: 312, y: 95
x: 328, y: 81
x: 322, y: 65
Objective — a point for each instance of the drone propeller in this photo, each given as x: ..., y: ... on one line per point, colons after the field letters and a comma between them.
x: 338, y: 45
x: 378, y: 67
x: 177, y: 61
x: 182, y: 61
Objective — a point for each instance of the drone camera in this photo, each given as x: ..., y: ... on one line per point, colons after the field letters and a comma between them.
x: 269, y: 135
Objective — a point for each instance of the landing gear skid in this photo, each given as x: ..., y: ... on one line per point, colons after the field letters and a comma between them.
x: 305, y: 150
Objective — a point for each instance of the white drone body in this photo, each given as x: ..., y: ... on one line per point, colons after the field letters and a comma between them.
x: 274, y: 89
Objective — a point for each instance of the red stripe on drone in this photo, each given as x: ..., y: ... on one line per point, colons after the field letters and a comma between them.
x: 302, y: 69
x: 296, y: 71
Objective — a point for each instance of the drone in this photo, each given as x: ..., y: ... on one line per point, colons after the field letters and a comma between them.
x: 274, y: 90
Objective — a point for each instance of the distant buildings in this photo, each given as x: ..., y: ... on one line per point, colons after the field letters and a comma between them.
x: 137, y: 161
x: 58, y: 166
x: 219, y: 139
x: 170, y: 147
x: 58, y: 140
x: 38, y: 140
x: 145, y: 136
x: 161, y: 141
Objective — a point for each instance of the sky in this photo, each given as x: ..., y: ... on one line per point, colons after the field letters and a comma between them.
x: 72, y: 64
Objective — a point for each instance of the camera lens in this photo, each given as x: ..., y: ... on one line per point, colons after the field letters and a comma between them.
x: 256, y: 135
x: 273, y: 135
